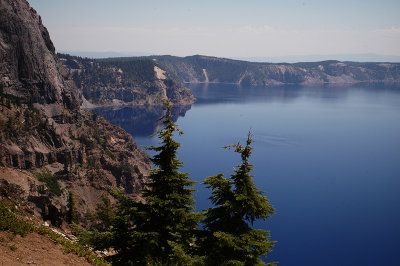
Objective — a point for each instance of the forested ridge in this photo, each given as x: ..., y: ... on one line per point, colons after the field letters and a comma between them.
x: 124, y: 81
x: 198, y: 68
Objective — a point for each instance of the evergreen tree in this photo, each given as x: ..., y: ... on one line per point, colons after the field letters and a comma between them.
x: 160, y: 230
x: 115, y: 231
x: 229, y: 238
x: 71, y: 213
x: 105, y: 212
x: 166, y: 222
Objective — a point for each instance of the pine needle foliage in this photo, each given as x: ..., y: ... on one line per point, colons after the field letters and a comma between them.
x: 167, y: 218
x: 71, y: 213
x: 163, y: 228
x: 229, y: 238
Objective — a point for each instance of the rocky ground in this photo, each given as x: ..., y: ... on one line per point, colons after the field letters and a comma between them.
x: 34, y: 249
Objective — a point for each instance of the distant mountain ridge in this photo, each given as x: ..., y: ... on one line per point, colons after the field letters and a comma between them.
x: 125, y: 81
x: 359, y: 57
x: 133, y: 80
x: 203, y: 69
x: 100, y: 55
x: 370, y: 57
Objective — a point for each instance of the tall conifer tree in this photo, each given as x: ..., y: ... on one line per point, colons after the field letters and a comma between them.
x: 71, y: 213
x: 229, y: 238
x: 166, y: 221
x: 160, y: 229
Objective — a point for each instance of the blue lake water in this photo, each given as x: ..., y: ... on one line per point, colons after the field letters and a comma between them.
x: 328, y: 159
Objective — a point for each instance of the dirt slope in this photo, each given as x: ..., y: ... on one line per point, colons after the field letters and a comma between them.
x: 34, y: 249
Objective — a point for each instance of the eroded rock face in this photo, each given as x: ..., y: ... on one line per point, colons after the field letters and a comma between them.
x: 28, y: 67
x: 43, y: 130
x: 125, y: 81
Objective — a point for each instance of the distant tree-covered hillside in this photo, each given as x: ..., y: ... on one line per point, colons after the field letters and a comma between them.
x: 194, y: 69
x: 121, y: 81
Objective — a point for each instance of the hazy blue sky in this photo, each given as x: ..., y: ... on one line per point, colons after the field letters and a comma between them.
x: 234, y: 28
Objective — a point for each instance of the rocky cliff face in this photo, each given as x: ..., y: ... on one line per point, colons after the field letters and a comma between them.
x: 28, y: 67
x: 195, y: 69
x: 125, y: 81
x: 44, y: 133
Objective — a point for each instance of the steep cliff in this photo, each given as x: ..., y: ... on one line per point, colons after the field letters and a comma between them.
x: 195, y: 69
x: 125, y: 81
x: 57, y: 147
x: 28, y: 68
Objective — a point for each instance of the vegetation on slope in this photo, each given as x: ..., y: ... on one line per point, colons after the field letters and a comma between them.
x: 121, y: 81
x: 81, y: 149
x: 15, y: 218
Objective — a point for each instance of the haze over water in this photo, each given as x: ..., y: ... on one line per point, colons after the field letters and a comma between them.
x: 328, y: 158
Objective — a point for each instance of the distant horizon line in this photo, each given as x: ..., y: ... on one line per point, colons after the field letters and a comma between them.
x: 361, y: 57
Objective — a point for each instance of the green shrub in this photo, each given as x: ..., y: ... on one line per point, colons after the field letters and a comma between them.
x: 10, y: 221
x: 51, y: 181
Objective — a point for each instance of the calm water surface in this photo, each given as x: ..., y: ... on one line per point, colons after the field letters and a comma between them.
x: 328, y: 159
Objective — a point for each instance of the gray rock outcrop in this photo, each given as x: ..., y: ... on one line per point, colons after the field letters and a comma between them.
x: 43, y: 131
